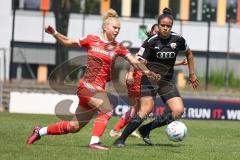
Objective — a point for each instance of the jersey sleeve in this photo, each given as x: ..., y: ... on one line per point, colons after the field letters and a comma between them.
x: 182, y: 44
x: 85, y: 41
x: 144, y: 51
x: 123, y: 52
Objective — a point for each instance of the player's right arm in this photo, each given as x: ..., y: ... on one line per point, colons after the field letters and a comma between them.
x: 140, y: 66
x: 65, y: 41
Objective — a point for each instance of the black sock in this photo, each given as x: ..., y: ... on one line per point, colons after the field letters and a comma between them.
x: 134, y: 123
x: 159, y: 121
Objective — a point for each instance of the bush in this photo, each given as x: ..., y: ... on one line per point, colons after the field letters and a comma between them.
x: 233, y: 81
x: 217, y: 78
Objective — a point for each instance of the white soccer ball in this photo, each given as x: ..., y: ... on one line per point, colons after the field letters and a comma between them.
x: 176, y: 131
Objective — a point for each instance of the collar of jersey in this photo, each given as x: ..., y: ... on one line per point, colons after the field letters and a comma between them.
x: 105, y: 41
x: 159, y: 36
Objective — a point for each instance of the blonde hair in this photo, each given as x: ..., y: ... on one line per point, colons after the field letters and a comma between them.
x: 110, y: 15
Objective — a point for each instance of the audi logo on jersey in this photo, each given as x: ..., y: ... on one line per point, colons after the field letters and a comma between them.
x: 165, y: 55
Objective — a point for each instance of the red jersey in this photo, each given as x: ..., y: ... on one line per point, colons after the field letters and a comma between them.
x: 101, y: 57
x: 137, y: 74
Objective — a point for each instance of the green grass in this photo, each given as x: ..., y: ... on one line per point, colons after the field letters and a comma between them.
x: 213, y: 140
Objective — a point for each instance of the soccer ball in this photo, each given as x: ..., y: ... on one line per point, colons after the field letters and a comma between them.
x: 176, y: 131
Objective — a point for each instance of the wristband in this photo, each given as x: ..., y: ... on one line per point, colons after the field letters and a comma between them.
x: 55, y: 33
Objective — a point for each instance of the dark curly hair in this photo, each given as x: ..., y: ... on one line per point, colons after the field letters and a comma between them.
x: 167, y: 12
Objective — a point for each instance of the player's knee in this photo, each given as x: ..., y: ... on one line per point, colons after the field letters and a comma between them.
x: 144, y: 111
x: 142, y: 114
x: 177, y: 112
x: 100, y: 103
x: 149, y: 103
x: 104, y: 107
x: 146, y: 107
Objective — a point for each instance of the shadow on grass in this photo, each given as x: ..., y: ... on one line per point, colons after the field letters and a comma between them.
x: 68, y: 145
x: 60, y: 145
x: 160, y: 145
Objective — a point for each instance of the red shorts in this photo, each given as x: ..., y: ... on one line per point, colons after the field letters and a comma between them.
x: 135, y: 88
x: 86, y: 91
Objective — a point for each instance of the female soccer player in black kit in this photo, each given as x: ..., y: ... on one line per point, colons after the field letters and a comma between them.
x: 160, y: 52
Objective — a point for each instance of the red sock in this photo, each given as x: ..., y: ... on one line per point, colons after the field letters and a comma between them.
x: 123, y: 121
x: 59, y: 128
x: 120, y: 124
x: 100, y: 124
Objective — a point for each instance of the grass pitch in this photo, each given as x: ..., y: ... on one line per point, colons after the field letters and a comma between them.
x: 206, y: 140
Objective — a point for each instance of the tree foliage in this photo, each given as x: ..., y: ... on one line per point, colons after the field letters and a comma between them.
x: 62, y: 10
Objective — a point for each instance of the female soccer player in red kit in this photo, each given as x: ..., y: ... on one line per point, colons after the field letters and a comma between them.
x: 102, y: 52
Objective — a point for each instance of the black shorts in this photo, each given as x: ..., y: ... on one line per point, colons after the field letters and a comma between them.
x: 166, y: 89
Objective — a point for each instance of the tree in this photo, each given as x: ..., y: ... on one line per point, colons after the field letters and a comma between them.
x: 62, y: 10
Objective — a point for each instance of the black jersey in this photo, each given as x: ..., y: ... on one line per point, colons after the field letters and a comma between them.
x: 161, y: 53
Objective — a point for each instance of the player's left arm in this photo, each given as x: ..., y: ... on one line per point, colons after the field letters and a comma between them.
x: 190, y: 62
x: 181, y: 62
x: 192, y: 75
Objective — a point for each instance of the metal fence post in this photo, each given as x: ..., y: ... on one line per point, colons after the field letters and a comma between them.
x: 227, y: 55
x: 12, y: 41
x: 208, y: 55
x: 1, y: 88
x: 4, y: 64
